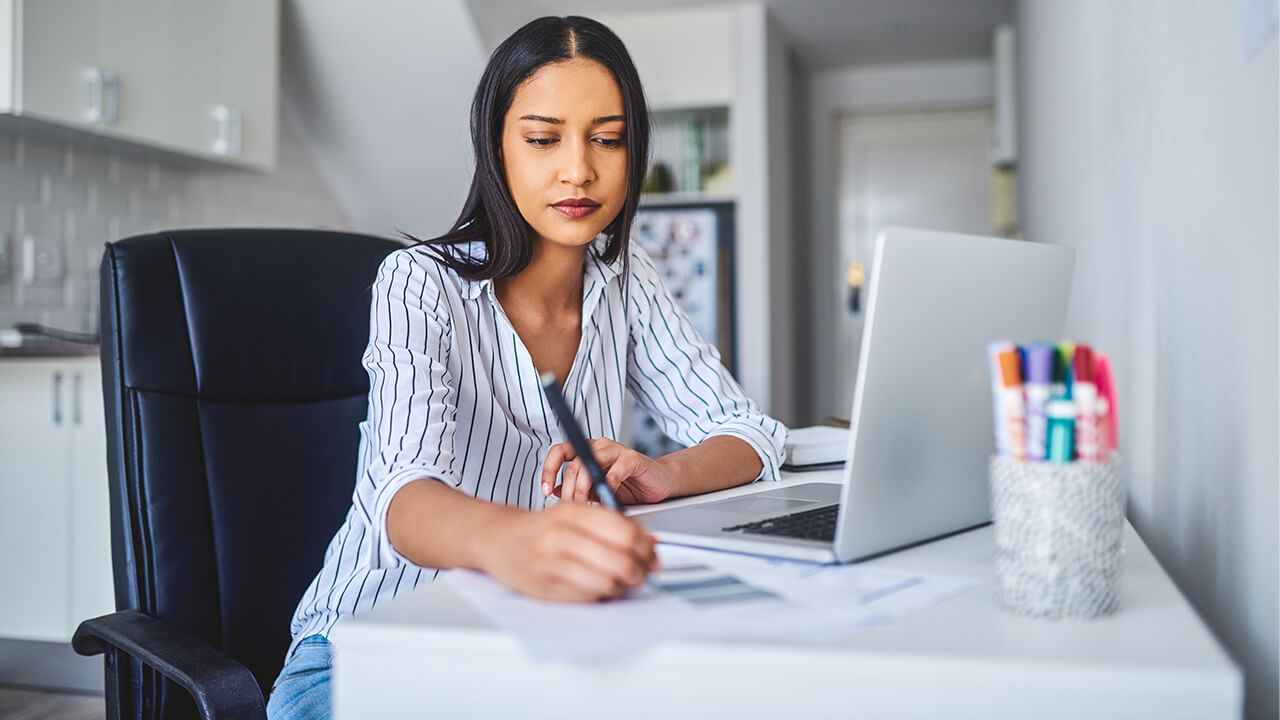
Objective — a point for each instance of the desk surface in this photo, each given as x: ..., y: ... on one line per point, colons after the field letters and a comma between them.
x: 428, y: 651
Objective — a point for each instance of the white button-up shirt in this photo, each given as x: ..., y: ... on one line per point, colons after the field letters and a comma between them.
x: 454, y: 396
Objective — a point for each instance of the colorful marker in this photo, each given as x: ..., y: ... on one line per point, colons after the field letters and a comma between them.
x: 1062, y: 414
x: 1039, y: 389
x: 1085, y: 395
x: 1012, y: 403
x: 1108, y: 416
x: 1062, y: 373
x: 994, y: 351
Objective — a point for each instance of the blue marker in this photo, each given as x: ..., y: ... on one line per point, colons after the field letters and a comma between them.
x: 1062, y: 430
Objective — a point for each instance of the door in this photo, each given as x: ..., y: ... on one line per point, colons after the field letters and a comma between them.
x: 922, y: 169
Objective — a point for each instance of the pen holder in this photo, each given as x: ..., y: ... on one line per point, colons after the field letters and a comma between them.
x: 1059, y: 532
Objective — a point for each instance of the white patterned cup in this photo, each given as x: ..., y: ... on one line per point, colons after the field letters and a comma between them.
x: 1059, y: 531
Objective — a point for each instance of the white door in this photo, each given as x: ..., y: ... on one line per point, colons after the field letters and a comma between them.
x: 922, y: 169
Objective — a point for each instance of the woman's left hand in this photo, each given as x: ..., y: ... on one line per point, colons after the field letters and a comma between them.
x: 634, y: 478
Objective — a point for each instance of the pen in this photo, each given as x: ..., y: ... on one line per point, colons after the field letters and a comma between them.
x: 551, y: 389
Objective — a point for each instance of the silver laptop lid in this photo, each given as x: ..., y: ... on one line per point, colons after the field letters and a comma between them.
x: 922, y: 430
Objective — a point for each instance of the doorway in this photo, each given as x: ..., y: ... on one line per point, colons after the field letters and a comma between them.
x: 922, y: 169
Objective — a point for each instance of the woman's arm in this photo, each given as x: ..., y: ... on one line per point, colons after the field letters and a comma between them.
x: 570, y: 552
x: 719, y: 462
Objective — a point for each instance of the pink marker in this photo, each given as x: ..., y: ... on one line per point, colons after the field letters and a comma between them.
x: 1108, y: 418
x: 1085, y: 394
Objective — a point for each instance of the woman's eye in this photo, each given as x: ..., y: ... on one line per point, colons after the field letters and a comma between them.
x: 540, y: 142
x: 611, y: 142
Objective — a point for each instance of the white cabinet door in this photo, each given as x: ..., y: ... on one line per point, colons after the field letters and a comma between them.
x: 35, y: 499
x: 164, y: 67
x: 248, y: 79
x: 92, y: 592
x: 137, y: 43
x: 59, y: 47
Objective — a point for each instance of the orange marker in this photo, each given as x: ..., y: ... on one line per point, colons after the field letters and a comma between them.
x: 1013, y: 406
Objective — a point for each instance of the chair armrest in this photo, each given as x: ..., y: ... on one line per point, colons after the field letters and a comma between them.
x: 223, y: 688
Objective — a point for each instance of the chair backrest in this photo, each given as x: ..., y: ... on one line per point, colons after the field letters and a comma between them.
x: 233, y: 388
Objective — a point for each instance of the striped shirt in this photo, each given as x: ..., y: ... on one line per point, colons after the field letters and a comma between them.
x: 454, y: 395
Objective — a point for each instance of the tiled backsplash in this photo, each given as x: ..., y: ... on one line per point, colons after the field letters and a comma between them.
x: 70, y: 199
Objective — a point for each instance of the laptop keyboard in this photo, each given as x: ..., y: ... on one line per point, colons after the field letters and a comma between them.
x: 816, y: 524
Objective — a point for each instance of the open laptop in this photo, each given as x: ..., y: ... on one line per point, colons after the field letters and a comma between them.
x: 921, y: 425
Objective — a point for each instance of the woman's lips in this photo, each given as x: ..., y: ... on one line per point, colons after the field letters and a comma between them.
x: 576, y: 208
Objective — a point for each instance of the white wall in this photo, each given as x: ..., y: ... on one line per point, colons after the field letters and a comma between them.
x: 1150, y: 145
x: 382, y: 99
x: 827, y: 97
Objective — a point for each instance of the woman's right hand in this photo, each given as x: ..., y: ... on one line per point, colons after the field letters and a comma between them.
x: 570, y: 553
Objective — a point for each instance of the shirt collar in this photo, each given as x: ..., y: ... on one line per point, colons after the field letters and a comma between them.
x: 595, y: 276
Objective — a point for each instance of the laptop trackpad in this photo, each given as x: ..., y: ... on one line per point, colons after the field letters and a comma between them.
x: 776, y: 502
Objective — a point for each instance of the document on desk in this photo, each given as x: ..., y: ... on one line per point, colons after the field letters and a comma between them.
x: 705, y: 595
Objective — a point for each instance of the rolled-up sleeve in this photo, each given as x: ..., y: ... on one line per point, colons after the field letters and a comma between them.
x: 409, y: 432
x: 678, y: 377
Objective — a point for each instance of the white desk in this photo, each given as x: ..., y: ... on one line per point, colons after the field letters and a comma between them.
x: 428, y: 654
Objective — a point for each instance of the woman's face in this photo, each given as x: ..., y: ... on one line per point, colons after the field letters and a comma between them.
x: 565, y: 153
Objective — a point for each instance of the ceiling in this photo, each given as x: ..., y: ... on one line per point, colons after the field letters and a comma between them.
x: 824, y: 34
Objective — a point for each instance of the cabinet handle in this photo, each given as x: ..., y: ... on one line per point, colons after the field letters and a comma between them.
x: 226, y: 140
x: 57, y: 398
x: 104, y: 93
x: 111, y: 98
x: 75, y: 398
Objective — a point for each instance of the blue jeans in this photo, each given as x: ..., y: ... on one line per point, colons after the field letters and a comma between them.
x: 302, y: 691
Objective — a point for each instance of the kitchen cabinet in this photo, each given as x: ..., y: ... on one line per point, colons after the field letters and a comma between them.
x: 190, y: 77
x: 54, y: 514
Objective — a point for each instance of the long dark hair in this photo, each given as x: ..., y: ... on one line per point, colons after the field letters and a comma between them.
x: 490, y: 215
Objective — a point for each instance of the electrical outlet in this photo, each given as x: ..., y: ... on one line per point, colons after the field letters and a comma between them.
x: 42, y: 261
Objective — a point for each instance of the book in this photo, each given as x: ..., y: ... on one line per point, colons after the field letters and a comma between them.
x: 816, y: 445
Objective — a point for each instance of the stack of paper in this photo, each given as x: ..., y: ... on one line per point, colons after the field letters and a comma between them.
x: 816, y: 445
x: 705, y: 595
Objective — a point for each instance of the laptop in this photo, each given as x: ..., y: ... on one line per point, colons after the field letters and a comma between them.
x: 921, y: 428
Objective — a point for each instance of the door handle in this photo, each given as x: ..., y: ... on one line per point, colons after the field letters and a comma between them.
x: 75, y: 398
x: 57, y: 398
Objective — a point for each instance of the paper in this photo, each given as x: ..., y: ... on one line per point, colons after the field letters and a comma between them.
x: 705, y: 595
x: 816, y: 444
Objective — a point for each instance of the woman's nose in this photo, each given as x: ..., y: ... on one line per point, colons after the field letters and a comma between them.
x: 576, y: 169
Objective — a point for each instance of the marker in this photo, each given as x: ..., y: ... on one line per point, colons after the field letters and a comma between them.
x: 551, y: 389
x: 1108, y: 418
x: 1062, y: 414
x: 1039, y: 389
x: 1062, y: 372
x: 1012, y: 404
x: 994, y: 351
x: 1085, y: 394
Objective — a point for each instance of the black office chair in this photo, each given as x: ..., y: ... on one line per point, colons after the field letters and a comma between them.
x: 233, y: 387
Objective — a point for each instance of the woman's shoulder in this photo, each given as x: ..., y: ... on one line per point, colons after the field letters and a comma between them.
x: 640, y: 265
x: 424, y: 265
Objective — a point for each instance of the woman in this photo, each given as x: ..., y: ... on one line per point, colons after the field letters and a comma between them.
x: 536, y: 276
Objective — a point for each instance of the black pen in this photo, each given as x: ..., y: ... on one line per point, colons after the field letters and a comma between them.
x: 551, y: 389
